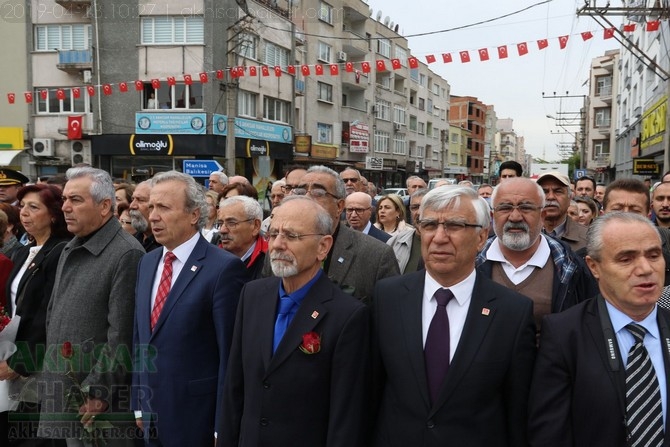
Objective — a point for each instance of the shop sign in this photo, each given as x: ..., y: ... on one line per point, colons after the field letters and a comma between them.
x: 642, y: 166
x: 174, y: 123
x: 303, y: 144
x: 253, y: 129
x: 654, y: 123
x: 151, y: 144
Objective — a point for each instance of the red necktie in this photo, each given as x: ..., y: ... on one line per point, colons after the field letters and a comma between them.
x: 163, y: 288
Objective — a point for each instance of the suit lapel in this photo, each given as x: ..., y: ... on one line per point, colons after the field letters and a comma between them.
x: 664, y: 329
x: 342, y: 255
x: 310, y: 312
x: 189, y: 271
x: 146, y: 277
x: 265, y: 311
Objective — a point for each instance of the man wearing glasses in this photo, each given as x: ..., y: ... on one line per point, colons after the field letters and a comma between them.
x: 299, y: 362
x: 352, y: 180
x: 523, y: 259
x: 356, y: 261
x: 453, y: 351
x: 358, y: 209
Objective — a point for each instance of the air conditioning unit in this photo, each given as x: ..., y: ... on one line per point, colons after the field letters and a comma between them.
x: 87, y: 76
x: 43, y: 147
x: 80, y: 152
x: 341, y: 56
x: 397, y: 127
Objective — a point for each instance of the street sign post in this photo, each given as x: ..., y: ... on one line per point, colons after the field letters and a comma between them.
x: 201, y: 168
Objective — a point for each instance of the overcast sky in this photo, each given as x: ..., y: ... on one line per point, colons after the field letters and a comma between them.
x: 513, y: 85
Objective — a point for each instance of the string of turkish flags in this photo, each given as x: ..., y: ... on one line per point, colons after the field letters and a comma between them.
x: 380, y: 65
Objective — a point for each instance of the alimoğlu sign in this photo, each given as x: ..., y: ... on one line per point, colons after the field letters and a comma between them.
x: 643, y: 166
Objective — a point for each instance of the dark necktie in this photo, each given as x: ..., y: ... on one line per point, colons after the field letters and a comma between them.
x: 286, y: 305
x: 163, y: 288
x: 644, y: 413
x: 436, y: 350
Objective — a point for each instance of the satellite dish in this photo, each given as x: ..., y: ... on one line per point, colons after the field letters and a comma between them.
x: 397, y: 26
x: 391, y: 25
x: 387, y: 19
x: 371, y: 12
x: 379, y: 15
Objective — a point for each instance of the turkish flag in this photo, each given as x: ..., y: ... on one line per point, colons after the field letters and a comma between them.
x: 381, y: 65
x: 278, y: 71
x: 629, y: 28
x: 188, y: 80
x: 522, y: 48
x: 76, y: 92
x: 483, y: 54
x: 233, y: 72
x: 430, y: 58
x: 11, y: 97
x: 608, y: 33
x: 414, y: 62
x: 395, y: 63
x: 290, y: 69
x: 365, y: 66
x: 465, y: 56
x: 91, y: 90
x: 653, y: 25
x: 60, y: 94
x: 334, y: 70
x: 204, y: 78
x: 123, y: 87
x: 139, y: 85
x: 502, y: 52
x: 305, y: 70
x: 240, y: 71
x: 44, y: 94
x: 318, y: 69
x: 219, y: 74
x: 74, y: 123
x: 586, y: 35
x: 542, y: 44
x: 171, y: 81
x: 107, y: 89
x: 29, y: 97
x: 446, y: 58
x: 349, y: 67
x: 155, y: 83
x: 253, y: 71
x: 563, y: 41
x: 265, y: 71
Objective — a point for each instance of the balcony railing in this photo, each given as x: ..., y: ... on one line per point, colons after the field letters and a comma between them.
x: 75, y: 60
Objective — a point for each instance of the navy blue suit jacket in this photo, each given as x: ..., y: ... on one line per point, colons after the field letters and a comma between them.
x: 180, y: 366
x: 379, y: 234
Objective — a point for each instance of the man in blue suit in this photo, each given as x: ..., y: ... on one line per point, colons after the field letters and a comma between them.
x: 186, y: 299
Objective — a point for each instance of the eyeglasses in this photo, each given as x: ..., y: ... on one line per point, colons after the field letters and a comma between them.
x: 126, y: 222
x: 288, y: 188
x: 358, y: 211
x: 231, y: 224
x: 288, y: 236
x: 524, y: 208
x: 352, y: 180
x: 450, y: 226
x: 314, y: 191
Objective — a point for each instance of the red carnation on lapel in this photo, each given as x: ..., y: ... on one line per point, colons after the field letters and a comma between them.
x: 311, y: 343
x: 66, y: 350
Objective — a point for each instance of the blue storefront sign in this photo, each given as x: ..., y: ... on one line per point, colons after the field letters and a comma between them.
x: 201, y: 168
x: 172, y: 123
x: 252, y: 129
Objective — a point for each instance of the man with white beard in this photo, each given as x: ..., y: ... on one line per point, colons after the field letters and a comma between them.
x: 523, y: 259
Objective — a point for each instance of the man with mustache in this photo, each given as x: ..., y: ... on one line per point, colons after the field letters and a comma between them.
x: 523, y: 259
x: 298, y: 367
x: 556, y: 187
x: 139, y: 216
x: 660, y: 203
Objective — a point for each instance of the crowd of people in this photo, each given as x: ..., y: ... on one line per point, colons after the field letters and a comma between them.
x: 532, y: 312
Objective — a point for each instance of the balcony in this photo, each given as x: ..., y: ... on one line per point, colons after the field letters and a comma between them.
x: 73, y: 61
x: 354, y: 44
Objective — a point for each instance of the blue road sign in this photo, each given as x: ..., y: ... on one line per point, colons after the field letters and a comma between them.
x: 579, y: 173
x: 201, y: 168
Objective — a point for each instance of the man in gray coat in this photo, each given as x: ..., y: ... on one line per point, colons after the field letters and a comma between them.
x: 91, y: 308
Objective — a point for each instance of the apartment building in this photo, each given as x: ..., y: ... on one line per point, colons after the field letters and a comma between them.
x: 470, y: 113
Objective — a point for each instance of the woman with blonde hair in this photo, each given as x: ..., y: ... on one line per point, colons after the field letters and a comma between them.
x: 391, y: 214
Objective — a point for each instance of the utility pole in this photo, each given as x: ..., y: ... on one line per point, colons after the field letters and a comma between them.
x: 565, y: 119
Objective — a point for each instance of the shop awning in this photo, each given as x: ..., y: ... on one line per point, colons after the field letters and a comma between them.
x: 7, y: 157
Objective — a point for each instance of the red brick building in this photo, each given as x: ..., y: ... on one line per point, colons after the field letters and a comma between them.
x: 470, y: 113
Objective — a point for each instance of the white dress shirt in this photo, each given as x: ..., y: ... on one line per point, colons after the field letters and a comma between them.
x: 182, y: 253
x: 518, y: 275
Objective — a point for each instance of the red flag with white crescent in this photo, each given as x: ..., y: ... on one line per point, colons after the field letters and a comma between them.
x: 203, y: 77
x: 29, y: 97
x: 107, y: 89
x: 253, y: 71
x: 123, y: 87
x: 139, y: 85
x: 76, y: 92
x: 11, y: 97
x: 60, y: 94
x: 91, y: 90
x: 502, y: 52
x: 563, y: 42
x: 74, y: 127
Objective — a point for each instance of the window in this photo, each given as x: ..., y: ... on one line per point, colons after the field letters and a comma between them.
x: 173, y: 30
x: 246, y: 104
x: 324, y: 133
x: 276, y: 109
x: 436, y: 90
x: 178, y: 96
x: 601, y: 149
x: 417, y: 151
x: 422, y: 128
x: 401, y: 54
x: 399, y: 144
x: 422, y: 104
x: 414, y: 74
x: 382, y: 142
x: 325, y: 52
x: 325, y: 92
x: 326, y: 13
x: 429, y: 129
x: 454, y: 138
x: 69, y: 104
x: 62, y: 37
x: 412, y: 123
x: 384, y: 80
x: 429, y: 105
x: 276, y: 55
x: 603, y: 117
x: 384, y: 47
x: 383, y: 110
x: 247, y: 46
x: 399, y: 114
x: 604, y: 86
x: 422, y: 80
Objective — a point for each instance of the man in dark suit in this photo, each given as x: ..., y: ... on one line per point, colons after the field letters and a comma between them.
x: 451, y: 366
x: 298, y: 366
x: 186, y: 299
x: 358, y: 209
x: 592, y: 354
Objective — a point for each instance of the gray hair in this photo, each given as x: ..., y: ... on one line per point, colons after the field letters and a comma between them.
x: 450, y: 195
x: 252, y: 209
x: 223, y: 178
x: 195, y: 193
x: 594, y: 236
x: 279, y: 183
x: 538, y: 189
x: 323, y: 221
x: 419, y: 193
x: 340, y: 190
x: 413, y: 177
x: 101, y: 183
